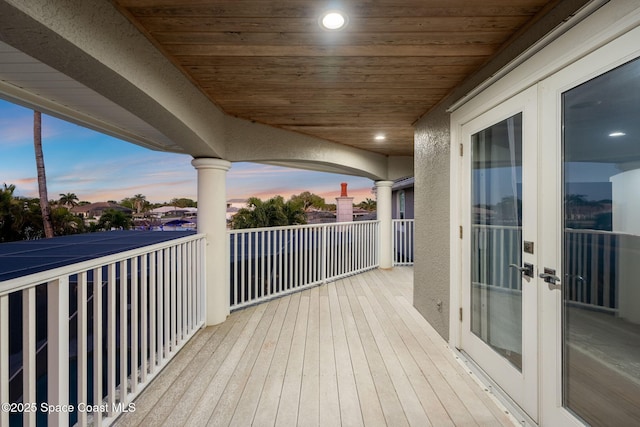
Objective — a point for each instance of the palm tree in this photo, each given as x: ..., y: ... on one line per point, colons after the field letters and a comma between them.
x: 8, y: 212
x: 114, y: 219
x: 69, y: 200
x: 42, y: 178
x: 139, y: 202
x: 271, y: 213
x: 368, y: 204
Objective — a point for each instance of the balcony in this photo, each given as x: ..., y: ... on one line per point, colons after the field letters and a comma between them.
x: 349, y: 352
x: 318, y: 335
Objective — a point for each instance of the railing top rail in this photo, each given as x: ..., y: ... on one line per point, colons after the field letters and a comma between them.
x: 293, y: 227
x: 35, y: 279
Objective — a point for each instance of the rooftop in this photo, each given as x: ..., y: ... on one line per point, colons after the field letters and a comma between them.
x: 33, y: 256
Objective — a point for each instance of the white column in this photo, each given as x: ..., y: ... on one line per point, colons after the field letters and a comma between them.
x: 383, y: 194
x: 212, y: 209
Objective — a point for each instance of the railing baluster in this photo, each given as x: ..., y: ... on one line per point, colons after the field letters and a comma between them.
x: 28, y: 354
x: 190, y: 321
x: 242, y: 267
x: 249, y: 263
x: 179, y: 289
x: 306, y: 270
x: 58, y: 349
x: 298, y: 261
x: 111, y: 337
x: 82, y: 346
x: 123, y: 331
x: 202, y: 275
x: 166, y: 298
x: 359, y: 249
x: 134, y: 326
x: 97, y: 343
x: 281, y: 273
x: 173, y: 299
x: 267, y: 254
x: 153, y: 317
x: 144, y: 317
x: 161, y: 312
x: 286, y: 259
x: 184, y: 318
x: 4, y: 357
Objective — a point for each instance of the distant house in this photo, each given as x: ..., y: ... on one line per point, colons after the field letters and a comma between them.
x: 237, y: 203
x: 173, y: 211
x: 318, y: 216
x: 364, y: 215
x: 95, y: 210
x: 234, y: 205
x: 402, y: 196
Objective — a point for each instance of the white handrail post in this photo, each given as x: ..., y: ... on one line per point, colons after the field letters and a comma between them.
x: 58, y: 350
x: 383, y: 192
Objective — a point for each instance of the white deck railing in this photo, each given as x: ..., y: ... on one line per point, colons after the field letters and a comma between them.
x: 112, y: 323
x: 403, y: 232
x: 268, y: 262
x: 130, y: 313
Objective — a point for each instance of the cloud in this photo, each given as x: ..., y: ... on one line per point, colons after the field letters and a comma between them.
x: 97, y: 167
x: 16, y: 131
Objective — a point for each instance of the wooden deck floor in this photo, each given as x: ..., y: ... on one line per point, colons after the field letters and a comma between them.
x: 353, y: 352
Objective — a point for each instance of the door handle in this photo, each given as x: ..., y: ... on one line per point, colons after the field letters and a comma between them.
x: 549, y: 276
x: 526, y: 269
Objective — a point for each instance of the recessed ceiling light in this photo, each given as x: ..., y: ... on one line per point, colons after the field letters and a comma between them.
x: 333, y: 20
x: 380, y: 137
x: 618, y: 133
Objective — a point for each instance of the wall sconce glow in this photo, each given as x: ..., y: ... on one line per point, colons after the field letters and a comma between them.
x: 618, y: 133
x: 380, y: 137
x: 333, y: 21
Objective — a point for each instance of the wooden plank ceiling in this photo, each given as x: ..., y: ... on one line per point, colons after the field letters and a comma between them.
x: 271, y: 62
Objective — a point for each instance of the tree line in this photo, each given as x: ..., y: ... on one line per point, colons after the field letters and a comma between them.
x: 276, y: 211
x: 21, y: 218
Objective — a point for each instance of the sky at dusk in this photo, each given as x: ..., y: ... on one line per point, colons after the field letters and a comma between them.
x: 98, y: 167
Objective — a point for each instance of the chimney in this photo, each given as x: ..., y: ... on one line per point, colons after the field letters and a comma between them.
x: 344, y: 205
x: 343, y: 189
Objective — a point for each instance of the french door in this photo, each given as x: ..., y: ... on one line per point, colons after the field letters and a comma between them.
x: 499, y: 295
x: 589, y: 222
x: 550, y: 252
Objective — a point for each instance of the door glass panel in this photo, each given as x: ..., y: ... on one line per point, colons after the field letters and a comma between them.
x: 601, y: 249
x: 496, y: 183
